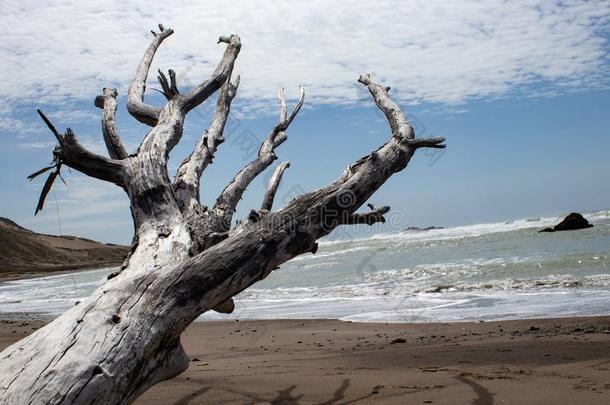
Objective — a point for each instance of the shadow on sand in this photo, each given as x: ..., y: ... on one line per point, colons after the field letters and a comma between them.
x: 283, y: 397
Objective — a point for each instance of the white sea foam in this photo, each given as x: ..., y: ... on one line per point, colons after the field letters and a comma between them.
x: 325, y: 255
x: 468, y: 267
x: 485, y: 271
x: 550, y: 282
x: 469, y: 231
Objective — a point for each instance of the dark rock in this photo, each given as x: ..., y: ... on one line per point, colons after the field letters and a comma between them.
x: 399, y: 340
x: 416, y: 228
x: 439, y: 288
x: 571, y: 222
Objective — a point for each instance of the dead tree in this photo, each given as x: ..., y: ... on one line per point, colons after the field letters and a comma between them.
x: 185, y: 258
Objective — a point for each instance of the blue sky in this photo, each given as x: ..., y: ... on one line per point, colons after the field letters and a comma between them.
x: 519, y: 89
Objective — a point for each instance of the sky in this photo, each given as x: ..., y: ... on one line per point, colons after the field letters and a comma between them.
x: 520, y: 89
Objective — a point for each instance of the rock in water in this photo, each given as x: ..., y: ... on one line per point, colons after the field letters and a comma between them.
x: 573, y: 221
x: 570, y: 223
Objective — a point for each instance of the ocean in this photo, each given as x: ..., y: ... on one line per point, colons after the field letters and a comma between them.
x: 494, y: 271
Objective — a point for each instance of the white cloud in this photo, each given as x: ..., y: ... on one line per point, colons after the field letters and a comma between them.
x: 11, y: 124
x: 74, y: 115
x: 438, y: 51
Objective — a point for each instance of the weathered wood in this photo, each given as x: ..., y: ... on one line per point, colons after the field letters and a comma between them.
x: 45, y: 190
x: 145, y: 113
x: 209, y: 226
x: 227, y: 202
x: 204, y: 90
x: 368, y: 218
x: 185, y: 259
x: 73, y: 154
x: 188, y: 176
x: 274, y: 183
x: 41, y: 171
x: 107, y: 102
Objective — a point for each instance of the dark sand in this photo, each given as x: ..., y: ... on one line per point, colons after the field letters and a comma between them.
x: 554, y: 361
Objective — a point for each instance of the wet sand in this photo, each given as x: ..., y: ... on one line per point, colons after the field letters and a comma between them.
x: 559, y: 361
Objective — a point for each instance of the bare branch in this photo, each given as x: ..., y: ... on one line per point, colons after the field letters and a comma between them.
x: 173, y: 82
x: 274, y: 183
x: 398, y: 122
x: 368, y: 218
x: 50, y: 125
x: 141, y: 111
x: 45, y: 190
x: 427, y: 143
x: 230, y: 196
x: 74, y: 155
x: 107, y: 102
x: 286, y: 122
x: 162, y: 79
x: 283, y: 108
x: 342, y: 198
x: 162, y: 138
x: 170, y: 89
x: 188, y: 177
x: 41, y: 171
x: 204, y: 90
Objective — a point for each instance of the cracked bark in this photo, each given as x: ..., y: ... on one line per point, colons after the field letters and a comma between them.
x: 125, y: 337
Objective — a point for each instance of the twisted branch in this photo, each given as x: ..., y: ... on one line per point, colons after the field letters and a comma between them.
x: 187, y: 182
x: 230, y: 196
x: 107, y: 102
x: 204, y: 90
x: 71, y: 153
x: 141, y: 111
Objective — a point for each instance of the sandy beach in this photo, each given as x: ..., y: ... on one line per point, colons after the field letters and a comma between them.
x: 540, y: 361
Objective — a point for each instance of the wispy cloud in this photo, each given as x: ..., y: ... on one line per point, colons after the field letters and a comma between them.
x: 10, y: 121
x: 74, y: 115
x: 436, y: 51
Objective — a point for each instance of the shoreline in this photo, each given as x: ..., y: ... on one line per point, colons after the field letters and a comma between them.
x: 553, y: 360
x: 48, y: 317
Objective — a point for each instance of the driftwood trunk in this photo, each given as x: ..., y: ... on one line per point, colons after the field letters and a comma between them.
x: 185, y: 258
